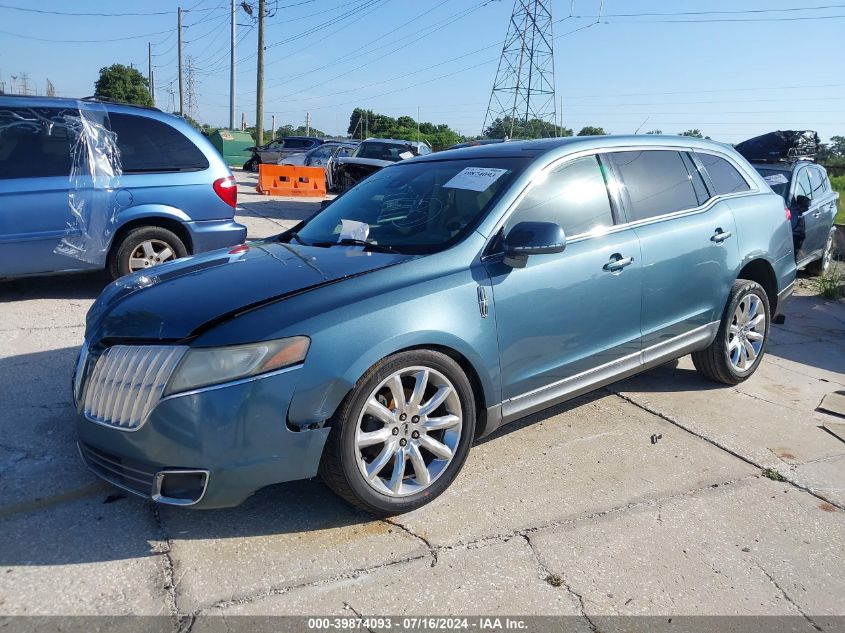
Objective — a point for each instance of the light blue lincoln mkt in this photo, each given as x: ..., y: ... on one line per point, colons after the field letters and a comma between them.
x: 436, y: 300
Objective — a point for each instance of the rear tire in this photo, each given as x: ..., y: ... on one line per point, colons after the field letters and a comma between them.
x: 403, y: 451
x: 740, y: 342
x: 146, y: 243
x: 821, y: 266
x: 251, y: 165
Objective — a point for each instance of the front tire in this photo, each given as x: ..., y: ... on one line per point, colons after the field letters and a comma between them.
x: 740, y: 342
x: 402, y: 434
x: 145, y: 247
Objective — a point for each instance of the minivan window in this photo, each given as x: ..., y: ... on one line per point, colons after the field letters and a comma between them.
x: 724, y: 176
x: 657, y: 182
x: 34, y: 142
x: 573, y: 196
x: 148, y: 145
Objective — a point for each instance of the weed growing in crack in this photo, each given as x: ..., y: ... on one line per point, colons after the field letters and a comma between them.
x: 554, y: 580
x: 771, y: 473
x: 829, y: 285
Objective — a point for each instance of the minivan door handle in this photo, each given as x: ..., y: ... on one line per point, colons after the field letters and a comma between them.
x: 720, y: 236
x: 617, y: 263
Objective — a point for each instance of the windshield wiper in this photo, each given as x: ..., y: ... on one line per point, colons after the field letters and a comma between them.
x: 353, y: 242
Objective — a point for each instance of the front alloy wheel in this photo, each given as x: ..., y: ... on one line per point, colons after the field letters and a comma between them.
x: 402, y: 434
x: 408, y: 431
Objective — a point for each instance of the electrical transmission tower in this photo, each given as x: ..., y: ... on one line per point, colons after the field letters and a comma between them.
x: 522, y: 102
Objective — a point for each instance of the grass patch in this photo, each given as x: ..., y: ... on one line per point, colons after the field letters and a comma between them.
x: 771, y: 473
x: 838, y: 183
x: 829, y: 285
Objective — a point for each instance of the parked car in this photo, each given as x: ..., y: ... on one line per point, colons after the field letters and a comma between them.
x: 169, y: 193
x: 813, y: 204
x: 476, y: 143
x: 438, y: 299
x: 374, y: 154
x: 275, y: 151
x: 324, y: 156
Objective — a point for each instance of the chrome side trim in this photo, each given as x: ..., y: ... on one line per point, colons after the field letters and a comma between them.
x: 579, y: 384
x: 159, y: 479
x: 482, y: 302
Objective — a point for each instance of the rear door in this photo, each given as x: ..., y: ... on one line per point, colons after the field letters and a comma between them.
x: 688, y: 244
x: 806, y: 228
x: 34, y: 181
x: 822, y: 211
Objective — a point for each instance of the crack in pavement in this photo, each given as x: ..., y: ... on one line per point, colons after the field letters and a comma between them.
x: 482, y: 542
x: 719, y: 445
x: 546, y: 572
x: 356, y: 612
x: 431, y: 549
x: 786, y: 596
x: 179, y: 623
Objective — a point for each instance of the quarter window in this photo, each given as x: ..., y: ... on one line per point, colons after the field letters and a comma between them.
x: 657, y: 182
x: 148, y: 145
x: 574, y: 196
x: 724, y: 176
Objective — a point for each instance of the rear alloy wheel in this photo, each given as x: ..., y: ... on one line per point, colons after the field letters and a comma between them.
x: 402, y: 435
x: 738, y: 348
x: 143, y: 248
x: 822, y: 266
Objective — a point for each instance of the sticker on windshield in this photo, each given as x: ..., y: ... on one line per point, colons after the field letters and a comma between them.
x: 777, y: 179
x: 353, y: 230
x: 406, y: 155
x: 475, y: 178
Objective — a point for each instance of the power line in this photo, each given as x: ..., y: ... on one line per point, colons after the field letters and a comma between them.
x: 93, y: 14
x: 727, y: 12
x: 115, y: 39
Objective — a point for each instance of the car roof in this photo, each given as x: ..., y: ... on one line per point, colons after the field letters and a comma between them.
x: 784, y: 167
x: 551, y: 147
x: 394, y: 141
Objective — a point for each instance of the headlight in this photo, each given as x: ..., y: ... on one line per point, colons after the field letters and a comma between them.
x: 210, y: 366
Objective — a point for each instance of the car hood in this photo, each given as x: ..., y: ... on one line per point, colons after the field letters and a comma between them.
x: 180, y: 300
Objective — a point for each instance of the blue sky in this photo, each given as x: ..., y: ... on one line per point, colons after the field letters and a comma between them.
x: 733, y: 75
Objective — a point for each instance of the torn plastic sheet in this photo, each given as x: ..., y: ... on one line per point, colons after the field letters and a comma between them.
x: 95, y: 173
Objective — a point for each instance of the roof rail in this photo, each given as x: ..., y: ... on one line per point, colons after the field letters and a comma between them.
x: 96, y: 99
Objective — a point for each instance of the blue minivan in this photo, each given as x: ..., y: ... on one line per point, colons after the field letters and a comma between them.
x: 86, y: 184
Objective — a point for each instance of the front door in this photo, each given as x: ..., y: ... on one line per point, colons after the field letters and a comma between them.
x: 564, y: 315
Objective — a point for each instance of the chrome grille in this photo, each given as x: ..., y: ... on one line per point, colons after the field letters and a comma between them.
x: 128, y: 381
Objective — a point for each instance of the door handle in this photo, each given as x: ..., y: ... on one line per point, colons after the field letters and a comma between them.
x: 817, y: 214
x: 617, y: 263
x: 720, y: 236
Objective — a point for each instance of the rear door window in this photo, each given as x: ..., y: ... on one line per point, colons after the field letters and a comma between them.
x: 724, y: 176
x: 574, y: 196
x: 656, y: 182
x: 34, y: 142
x: 147, y: 145
x: 802, y: 184
x: 816, y: 181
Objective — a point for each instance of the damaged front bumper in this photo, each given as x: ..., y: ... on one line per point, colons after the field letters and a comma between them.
x: 208, y: 448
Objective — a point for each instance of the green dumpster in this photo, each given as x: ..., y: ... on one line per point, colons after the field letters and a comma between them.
x: 232, y: 145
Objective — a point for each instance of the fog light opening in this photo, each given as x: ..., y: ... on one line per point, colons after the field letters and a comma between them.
x: 180, y: 487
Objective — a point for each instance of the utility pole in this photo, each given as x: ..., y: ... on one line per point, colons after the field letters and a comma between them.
x: 179, y: 53
x: 150, y: 71
x: 259, y: 88
x: 232, y: 68
x: 307, y: 124
x: 273, y: 126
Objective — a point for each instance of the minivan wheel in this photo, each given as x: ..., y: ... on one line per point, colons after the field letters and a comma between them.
x: 740, y: 343
x: 822, y: 265
x: 402, y: 434
x: 145, y: 247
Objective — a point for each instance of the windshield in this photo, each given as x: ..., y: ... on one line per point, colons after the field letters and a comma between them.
x: 414, y: 207
x: 778, y: 180
x: 383, y: 151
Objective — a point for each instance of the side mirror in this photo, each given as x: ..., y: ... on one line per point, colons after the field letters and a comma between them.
x: 532, y: 238
x: 802, y: 203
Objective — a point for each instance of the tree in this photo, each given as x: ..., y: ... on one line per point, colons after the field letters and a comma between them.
x: 519, y: 128
x: 366, y: 123
x: 589, y: 130
x: 124, y: 84
x: 655, y: 132
x: 695, y: 133
x: 837, y: 146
